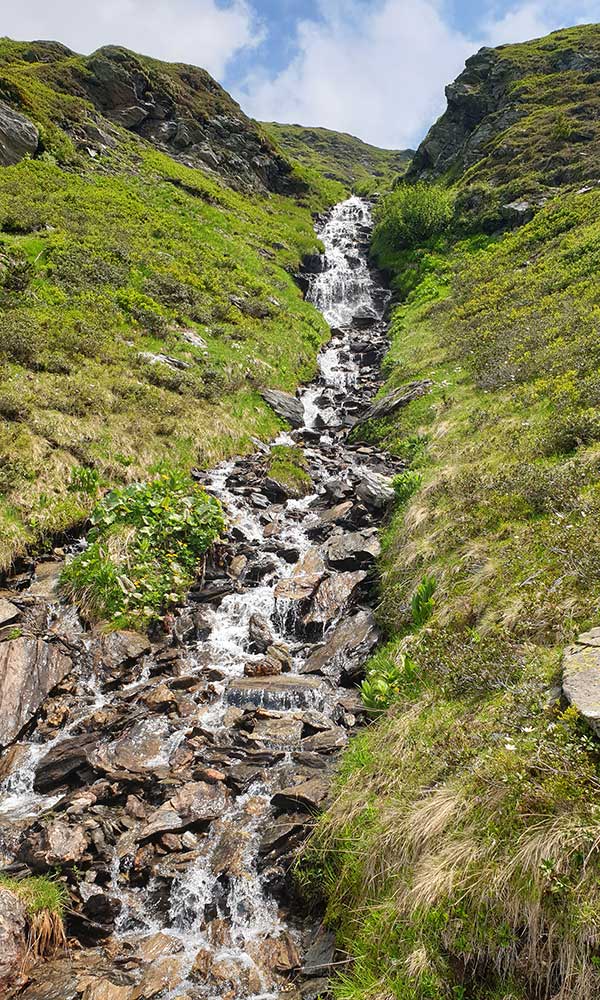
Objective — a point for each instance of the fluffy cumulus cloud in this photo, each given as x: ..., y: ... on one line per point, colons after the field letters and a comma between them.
x: 378, y: 69
x: 203, y: 32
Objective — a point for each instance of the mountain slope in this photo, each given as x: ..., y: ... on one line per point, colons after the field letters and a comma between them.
x: 522, y: 121
x: 339, y: 156
x: 148, y: 242
x: 460, y: 856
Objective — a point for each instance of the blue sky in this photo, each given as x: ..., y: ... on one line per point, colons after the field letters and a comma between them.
x: 376, y: 68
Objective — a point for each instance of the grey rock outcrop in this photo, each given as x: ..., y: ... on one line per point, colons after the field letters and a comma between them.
x: 395, y: 400
x: 18, y: 136
x: 285, y: 405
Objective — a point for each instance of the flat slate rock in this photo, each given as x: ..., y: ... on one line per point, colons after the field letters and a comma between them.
x: 29, y: 670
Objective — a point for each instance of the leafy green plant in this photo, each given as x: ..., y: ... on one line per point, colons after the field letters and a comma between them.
x: 84, y: 480
x: 422, y: 602
x: 144, y: 548
x: 387, y: 676
x: 406, y: 484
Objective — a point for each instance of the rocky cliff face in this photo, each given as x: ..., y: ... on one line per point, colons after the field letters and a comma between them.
x: 525, y: 114
x: 178, y: 108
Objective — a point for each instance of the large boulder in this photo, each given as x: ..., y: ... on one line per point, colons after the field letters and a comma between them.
x: 395, y: 400
x: 285, y: 405
x: 29, y: 670
x: 581, y: 677
x: 351, y: 549
x: 18, y: 136
x: 331, y: 598
x: 376, y: 491
x: 346, y: 647
x: 13, y: 939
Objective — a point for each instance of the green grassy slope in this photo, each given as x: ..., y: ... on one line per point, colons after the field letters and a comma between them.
x: 339, y: 156
x: 460, y: 855
x: 143, y: 298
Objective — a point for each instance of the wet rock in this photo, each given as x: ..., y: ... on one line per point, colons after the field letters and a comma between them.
x: 162, y: 976
x: 18, y: 136
x: 286, y: 406
x: 13, y: 939
x: 336, y: 515
x: 346, y: 647
x: 157, y: 945
x: 269, y: 666
x: 8, y: 612
x: 278, y: 954
x: 104, y: 989
x: 364, y: 318
x: 196, y: 802
x: 123, y: 647
x: 288, y: 690
x: 135, y: 751
x: 29, y: 670
x: 395, y: 400
x: 332, y: 596
x: 283, y: 835
x: 309, y: 795
x: 238, y: 567
x: 46, y: 580
x: 58, y: 843
x: 320, y: 954
x: 260, y: 632
x: 376, y: 491
x: 298, y: 588
x: 326, y: 742
x: 283, y: 729
x: 338, y: 490
x: 63, y: 760
x: 351, y: 549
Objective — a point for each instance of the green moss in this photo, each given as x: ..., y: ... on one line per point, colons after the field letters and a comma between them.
x: 287, y: 466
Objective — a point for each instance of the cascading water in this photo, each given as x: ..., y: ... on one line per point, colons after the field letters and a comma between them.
x: 230, y: 933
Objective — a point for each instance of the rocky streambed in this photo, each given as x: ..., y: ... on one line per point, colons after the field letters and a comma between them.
x: 172, y: 781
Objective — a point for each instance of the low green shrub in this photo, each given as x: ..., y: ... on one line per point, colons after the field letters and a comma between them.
x: 409, y: 217
x: 144, y: 549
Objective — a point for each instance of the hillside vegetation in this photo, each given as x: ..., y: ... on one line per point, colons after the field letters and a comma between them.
x: 341, y: 157
x: 147, y: 251
x: 460, y: 855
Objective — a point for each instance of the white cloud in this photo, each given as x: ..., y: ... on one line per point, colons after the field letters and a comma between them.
x: 194, y: 31
x: 529, y: 20
x: 379, y: 71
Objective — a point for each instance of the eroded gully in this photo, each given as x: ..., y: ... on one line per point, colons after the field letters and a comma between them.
x: 174, y: 781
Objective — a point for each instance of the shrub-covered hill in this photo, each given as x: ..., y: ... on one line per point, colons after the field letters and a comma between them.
x: 341, y: 157
x: 522, y: 121
x: 461, y: 853
x: 149, y: 233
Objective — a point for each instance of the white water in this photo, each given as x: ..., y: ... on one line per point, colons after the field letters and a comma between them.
x: 250, y: 912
